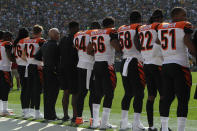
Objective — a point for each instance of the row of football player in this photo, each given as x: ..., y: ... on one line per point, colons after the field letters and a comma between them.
x: 137, y: 43
x: 161, y: 47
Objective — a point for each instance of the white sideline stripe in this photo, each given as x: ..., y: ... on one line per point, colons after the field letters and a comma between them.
x: 18, y: 128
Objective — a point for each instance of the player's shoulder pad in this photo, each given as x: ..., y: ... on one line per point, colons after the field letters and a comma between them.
x: 121, y: 28
x: 188, y: 28
x: 163, y: 25
x: 22, y: 40
x: 7, y: 44
x: 78, y: 33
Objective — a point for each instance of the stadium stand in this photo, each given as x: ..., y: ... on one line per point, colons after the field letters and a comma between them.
x: 57, y: 13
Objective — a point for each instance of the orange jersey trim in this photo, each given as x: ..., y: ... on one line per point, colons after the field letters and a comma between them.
x: 102, y: 31
x: 128, y: 27
x: 33, y: 40
x: 181, y: 25
x: 6, y: 43
x: 148, y: 27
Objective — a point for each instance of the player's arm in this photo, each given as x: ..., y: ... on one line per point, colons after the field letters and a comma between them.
x: 190, y: 45
x: 38, y: 55
x: 114, y: 41
x: 188, y: 39
x: 10, y: 55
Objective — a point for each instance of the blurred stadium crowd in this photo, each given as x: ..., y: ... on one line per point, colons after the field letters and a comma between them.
x: 57, y: 13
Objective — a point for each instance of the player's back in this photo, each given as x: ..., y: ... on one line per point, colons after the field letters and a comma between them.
x: 126, y: 37
x: 81, y: 41
x: 32, y: 45
x: 151, y: 52
x: 5, y: 63
x: 18, y: 52
x: 171, y: 36
x: 104, y: 51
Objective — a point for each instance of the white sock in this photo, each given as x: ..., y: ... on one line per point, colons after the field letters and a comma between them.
x: 1, y: 105
x: 31, y: 110
x: 25, y: 110
x: 181, y: 123
x: 124, y: 116
x: 105, y: 116
x: 96, y: 108
x: 37, y: 112
x: 5, y: 105
x: 164, y: 123
x: 136, y: 118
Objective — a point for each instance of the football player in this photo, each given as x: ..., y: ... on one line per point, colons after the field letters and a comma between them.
x: 18, y: 48
x: 34, y: 69
x: 175, y: 40
x: 151, y: 53
x: 85, y: 67
x: 132, y: 72
x: 1, y: 39
x: 6, y: 58
x: 195, y: 43
x: 104, y: 42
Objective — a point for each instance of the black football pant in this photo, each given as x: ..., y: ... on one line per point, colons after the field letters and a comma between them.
x: 25, y: 98
x: 82, y: 92
x: 105, y: 83
x: 34, y: 85
x: 176, y: 81
x: 5, y: 85
x: 134, y: 84
x: 195, y: 95
x: 51, y: 91
x: 154, y: 84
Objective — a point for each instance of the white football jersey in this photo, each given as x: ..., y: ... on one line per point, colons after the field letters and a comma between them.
x: 5, y: 63
x: 31, y: 48
x: 171, y: 36
x: 103, y: 50
x: 18, y: 53
x: 81, y: 41
x: 150, y: 51
x: 126, y: 37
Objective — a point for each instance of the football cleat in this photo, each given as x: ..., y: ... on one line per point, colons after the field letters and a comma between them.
x: 108, y: 126
x: 138, y: 127
x: 154, y: 129
x: 6, y: 113
x: 125, y: 125
x: 38, y: 115
x: 79, y: 121
x: 95, y: 124
x: 168, y: 129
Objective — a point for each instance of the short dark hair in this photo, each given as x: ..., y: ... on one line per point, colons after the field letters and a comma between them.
x: 108, y: 21
x: 73, y: 24
x: 7, y: 35
x: 135, y: 16
x: 37, y: 29
x: 176, y: 10
x: 95, y: 25
x: 157, y: 14
x: 1, y: 34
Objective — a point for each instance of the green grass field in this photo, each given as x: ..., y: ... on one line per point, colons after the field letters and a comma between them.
x: 14, y: 103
